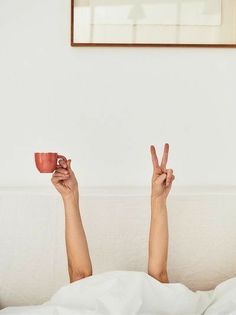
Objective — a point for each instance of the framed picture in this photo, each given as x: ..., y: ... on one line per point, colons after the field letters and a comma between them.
x: 210, y: 23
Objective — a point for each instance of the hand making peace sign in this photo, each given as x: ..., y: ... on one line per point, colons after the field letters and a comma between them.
x: 162, y: 177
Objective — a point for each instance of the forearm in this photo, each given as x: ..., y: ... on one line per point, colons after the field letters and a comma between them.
x: 79, y: 263
x: 158, y: 240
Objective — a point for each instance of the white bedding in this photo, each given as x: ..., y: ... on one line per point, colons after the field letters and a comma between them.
x: 130, y: 292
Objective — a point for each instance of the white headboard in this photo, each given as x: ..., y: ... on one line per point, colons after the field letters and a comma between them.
x: 202, y: 227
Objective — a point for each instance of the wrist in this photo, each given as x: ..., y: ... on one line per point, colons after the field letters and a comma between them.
x: 158, y: 201
x: 72, y: 197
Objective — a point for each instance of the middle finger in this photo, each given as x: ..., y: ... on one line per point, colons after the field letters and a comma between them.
x: 62, y: 170
x: 165, y: 157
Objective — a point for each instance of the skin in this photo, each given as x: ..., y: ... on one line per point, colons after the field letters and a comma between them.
x: 162, y: 179
x: 79, y: 262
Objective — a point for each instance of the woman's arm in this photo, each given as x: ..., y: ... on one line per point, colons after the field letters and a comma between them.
x: 158, y: 237
x: 79, y: 263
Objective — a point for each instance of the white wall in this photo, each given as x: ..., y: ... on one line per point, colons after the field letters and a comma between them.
x: 104, y: 106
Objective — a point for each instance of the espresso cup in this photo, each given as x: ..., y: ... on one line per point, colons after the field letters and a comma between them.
x: 47, y: 162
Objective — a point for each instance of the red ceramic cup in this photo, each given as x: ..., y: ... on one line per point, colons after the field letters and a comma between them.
x: 47, y: 162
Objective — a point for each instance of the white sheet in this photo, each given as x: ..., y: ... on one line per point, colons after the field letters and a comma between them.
x: 130, y: 292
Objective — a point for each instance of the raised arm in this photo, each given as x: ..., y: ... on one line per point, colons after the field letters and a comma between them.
x: 79, y: 263
x: 162, y: 179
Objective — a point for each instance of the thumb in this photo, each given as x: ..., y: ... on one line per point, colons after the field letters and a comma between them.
x: 162, y: 178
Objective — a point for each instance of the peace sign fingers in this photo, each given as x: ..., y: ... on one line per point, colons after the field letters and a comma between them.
x: 165, y: 157
x: 156, y: 167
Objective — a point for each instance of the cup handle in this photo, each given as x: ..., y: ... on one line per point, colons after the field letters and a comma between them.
x: 61, y: 157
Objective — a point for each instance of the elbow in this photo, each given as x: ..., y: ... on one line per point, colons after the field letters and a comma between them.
x: 76, y: 275
x: 160, y: 276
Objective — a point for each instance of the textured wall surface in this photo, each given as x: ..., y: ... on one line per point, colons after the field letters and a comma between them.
x: 33, y: 258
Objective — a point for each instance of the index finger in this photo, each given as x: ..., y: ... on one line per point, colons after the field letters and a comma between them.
x: 154, y: 158
x: 62, y: 163
x: 165, y: 156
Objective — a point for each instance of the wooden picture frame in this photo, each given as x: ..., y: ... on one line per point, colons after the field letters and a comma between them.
x: 214, y: 29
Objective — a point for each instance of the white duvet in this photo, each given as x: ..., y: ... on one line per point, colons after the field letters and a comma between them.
x: 130, y: 292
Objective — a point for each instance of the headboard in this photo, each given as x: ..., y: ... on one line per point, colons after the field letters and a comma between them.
x: 202, y: 227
